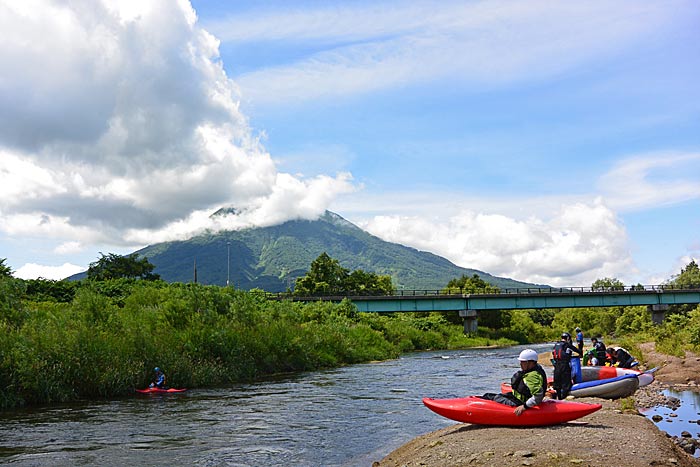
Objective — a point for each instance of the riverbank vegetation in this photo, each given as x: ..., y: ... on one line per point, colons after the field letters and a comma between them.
x: 67, y: 340
x: 106, y: 339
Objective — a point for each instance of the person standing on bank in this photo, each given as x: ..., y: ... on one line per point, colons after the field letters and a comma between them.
x: 562, y: 354
x: 579, y: 340
x: 529, y: 385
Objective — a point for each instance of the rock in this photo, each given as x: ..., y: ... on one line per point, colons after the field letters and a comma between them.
x: 686, y: 434
x: 657, y: 418
x: 523, y: 454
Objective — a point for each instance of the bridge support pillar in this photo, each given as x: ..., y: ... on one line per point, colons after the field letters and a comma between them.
x: 658, y: 312
x: 470, y: 321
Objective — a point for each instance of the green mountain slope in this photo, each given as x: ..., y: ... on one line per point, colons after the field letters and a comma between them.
x: 271, y: 258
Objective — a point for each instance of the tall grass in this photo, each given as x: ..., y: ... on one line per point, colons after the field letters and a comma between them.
x: 106, y: 341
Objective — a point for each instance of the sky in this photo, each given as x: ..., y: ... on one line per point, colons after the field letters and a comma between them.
x: 549, y: 142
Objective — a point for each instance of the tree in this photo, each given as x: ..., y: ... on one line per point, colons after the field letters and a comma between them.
x: 474, y: 284
x: 689, y: 276
x: 5, y: 270
x: 607, y: 284
x: 326, y: 275
x: 113, y: 266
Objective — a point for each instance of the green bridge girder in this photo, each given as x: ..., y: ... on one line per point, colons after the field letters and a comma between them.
x: 544, y: 298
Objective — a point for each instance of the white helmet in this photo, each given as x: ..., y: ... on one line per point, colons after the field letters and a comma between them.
x: 527, y: 354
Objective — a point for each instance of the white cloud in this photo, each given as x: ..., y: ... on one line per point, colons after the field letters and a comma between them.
x: 33, y: 271
x: 378, y: 45
x: 119, y: 125
x: 69, y: 248
x: 574, y: 246
x: 654, y: 180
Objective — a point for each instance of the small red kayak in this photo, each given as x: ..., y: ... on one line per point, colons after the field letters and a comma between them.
x: 159, y: 391
x: 486, y: 412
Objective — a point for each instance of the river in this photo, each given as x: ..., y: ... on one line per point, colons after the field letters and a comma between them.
x: 343, y: 417
x: 348, y: 416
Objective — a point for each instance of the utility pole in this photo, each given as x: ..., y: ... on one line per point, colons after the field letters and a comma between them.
x: 228, y: 263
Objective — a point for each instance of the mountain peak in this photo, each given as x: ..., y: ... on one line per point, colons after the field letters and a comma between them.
x: 271, y: 258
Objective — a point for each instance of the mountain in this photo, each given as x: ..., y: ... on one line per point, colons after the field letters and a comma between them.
x: 271, y: 258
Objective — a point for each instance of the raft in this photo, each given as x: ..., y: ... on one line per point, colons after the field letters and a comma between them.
x: 592, y: 373
x: 611, y: 388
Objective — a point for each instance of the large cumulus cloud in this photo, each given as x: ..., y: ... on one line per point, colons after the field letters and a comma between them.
x: 576, y: 243
x: 118, y: 124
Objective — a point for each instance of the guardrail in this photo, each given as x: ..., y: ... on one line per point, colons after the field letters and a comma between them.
x: 455, y: 292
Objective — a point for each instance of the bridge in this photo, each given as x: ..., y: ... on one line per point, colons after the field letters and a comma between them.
x: 657, y: 298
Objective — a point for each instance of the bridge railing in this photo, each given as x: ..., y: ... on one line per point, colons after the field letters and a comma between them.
x: 339, y: 294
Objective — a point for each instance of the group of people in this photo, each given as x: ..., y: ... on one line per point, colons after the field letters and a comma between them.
x: 529, y: 384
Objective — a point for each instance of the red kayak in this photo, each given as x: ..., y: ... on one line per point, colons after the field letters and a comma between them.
x: 486, y: 412
x: 159, y: 391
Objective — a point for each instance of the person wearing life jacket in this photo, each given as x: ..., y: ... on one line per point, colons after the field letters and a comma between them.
x: 529, y: 385
x: 579, y: 340
x: 590, y: 358
x: 620, y: 357
x: 599, y: 348
x: 159, y: 382
x: 561, y: 357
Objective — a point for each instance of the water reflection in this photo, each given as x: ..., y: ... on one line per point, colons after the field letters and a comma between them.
x: 685, y: 418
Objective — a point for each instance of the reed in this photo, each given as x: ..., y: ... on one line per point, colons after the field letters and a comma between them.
x: 106, y: 340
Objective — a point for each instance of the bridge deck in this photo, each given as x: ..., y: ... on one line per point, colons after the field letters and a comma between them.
x: 509, y: 299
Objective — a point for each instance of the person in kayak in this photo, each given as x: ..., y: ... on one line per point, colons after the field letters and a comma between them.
x: 529, y: 385
x: 600, y: 353
x: 160, y: 379
x: 561, y: 357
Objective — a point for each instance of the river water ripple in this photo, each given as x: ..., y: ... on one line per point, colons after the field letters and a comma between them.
x: 344, y: 417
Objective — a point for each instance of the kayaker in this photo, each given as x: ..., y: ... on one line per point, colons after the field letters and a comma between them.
x: 529, y: 384
x: 561, y: 355
x: 579, y: 340
x: 600, y: 353
x: 160, y: 379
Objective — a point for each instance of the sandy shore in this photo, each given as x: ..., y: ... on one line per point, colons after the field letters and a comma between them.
x: 616, y: 435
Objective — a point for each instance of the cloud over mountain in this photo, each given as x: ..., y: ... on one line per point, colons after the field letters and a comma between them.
x: 118, y: 124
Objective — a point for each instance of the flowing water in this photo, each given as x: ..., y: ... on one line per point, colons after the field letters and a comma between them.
x: 349, y: 416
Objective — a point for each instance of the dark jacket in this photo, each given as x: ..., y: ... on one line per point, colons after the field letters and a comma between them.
x: 563, y: 351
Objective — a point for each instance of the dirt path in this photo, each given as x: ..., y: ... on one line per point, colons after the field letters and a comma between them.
x: 616, y: 435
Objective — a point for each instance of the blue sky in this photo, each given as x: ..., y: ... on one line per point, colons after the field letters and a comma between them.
x: 550, y: 142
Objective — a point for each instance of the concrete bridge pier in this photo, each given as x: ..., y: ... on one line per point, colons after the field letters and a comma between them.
x: 658, y: 312
x: 470, y: 321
